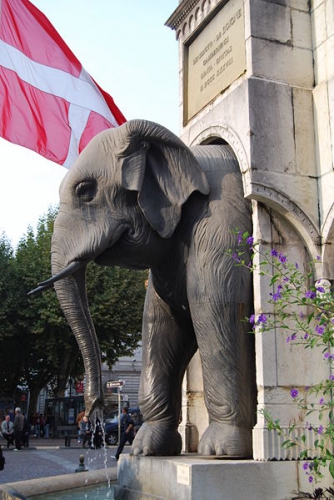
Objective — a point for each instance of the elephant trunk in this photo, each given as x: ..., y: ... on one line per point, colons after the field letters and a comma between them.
x: 71, y: 293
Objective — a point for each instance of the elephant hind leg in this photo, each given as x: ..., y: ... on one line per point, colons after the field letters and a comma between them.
x: 228, y: 375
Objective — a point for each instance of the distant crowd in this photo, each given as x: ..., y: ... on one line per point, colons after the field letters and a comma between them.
x: 16, y: 428
x: 90, y: 435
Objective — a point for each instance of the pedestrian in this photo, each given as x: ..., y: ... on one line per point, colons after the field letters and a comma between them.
x: 37, y: 423
x: 11, y: 414
x: 2, y: 459
x: 46, y: 426
x: 79, y: 418
x: 18, y: 428
x: 97, y: 435
x: 127, y: 431
x: 25, y: 432
x: 41, y: 425
x: 85, y: 431
x: 7, y: 429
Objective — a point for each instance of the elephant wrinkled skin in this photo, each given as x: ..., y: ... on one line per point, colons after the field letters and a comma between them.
x: 138, y: 197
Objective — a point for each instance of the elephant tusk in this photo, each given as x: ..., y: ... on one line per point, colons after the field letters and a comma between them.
x: 68, y: 271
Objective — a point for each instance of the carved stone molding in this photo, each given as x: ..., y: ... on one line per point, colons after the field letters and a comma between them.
x: 268, y: 445
x: 291, y: 211
x: 188, y: 16
x: 228, y: 135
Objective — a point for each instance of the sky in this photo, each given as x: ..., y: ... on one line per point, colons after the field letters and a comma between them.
x: 126, y: 47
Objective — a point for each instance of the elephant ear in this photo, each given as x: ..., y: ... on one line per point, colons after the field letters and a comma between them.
x: 158, y: 165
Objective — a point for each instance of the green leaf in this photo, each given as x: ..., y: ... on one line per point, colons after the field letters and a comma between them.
x: 331, y: 468
x: 288, y: 444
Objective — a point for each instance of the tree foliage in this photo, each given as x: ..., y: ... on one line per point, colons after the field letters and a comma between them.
x: 37, y: 345
x: 10, y: 360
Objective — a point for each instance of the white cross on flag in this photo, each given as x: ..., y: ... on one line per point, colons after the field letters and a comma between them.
x: 48, y: 102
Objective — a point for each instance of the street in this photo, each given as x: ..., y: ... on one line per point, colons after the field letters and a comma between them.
x: 46, y: 458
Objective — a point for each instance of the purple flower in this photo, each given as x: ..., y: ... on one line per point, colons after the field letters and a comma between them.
x: 282, y: 258
x: 274, y: 253
x: 294, y: 393
x: 320, y: 430
x: 310, y: 479
x: 320, y: 329
x: 318, y: 257
x: 331, y: 377
x: 310, y: 295
x: 306, y: 336
x: 262, y: 318
x: 250, y: 240
x: 321, y: 401
x: 252, y: 319
x: 276, y: 296
x: 236, y: 258
x: 305, y: 466
x: 296, y: 265
x: 239, y: 238
x: 320, y: 289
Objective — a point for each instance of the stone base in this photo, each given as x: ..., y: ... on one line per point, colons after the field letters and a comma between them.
x: 192, y: 477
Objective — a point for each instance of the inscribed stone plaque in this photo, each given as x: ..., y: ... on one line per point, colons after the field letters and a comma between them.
x: 183, y: 474
x: 215, y: 58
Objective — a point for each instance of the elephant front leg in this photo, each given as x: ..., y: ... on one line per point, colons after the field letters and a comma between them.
x: 167, y: 350
x: 227, y: 360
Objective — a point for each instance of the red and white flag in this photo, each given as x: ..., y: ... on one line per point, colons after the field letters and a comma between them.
x: 48, y: 102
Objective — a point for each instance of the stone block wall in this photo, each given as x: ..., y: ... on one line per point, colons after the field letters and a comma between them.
x: 277, y: 117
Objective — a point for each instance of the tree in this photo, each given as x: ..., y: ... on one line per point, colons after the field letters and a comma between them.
x: 10, y: 359
x: 43, y: 348
x: 48, y: 341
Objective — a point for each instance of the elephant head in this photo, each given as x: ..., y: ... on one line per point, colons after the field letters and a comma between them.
x: 119, y: 204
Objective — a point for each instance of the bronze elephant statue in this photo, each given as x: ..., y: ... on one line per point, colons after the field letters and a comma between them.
x: 138, y: 197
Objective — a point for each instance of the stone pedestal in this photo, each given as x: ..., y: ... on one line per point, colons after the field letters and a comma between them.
x: 190, y: 477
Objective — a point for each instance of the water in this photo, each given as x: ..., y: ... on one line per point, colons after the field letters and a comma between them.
x: 94, y: 492
x: 103, y: 491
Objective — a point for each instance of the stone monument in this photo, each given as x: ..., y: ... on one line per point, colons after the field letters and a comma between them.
x: 248, y: 79
x: 257, y: 75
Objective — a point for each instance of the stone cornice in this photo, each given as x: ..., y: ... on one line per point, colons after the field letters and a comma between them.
x: 180, y: 13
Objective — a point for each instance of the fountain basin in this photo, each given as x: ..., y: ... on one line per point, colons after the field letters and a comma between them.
x: 35, y: 487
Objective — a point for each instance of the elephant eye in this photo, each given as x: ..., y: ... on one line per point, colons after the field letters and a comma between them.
x: 86, y: 190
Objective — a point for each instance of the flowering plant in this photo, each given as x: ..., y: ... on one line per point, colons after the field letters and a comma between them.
x: 305, y: 312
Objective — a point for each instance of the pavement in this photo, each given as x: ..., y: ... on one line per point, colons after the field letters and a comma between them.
x: 50, y: 457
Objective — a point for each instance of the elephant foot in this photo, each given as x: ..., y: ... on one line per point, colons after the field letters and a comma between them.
x: 226, y: 439
x: 156, y: 438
